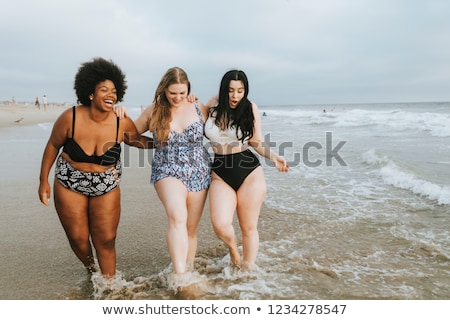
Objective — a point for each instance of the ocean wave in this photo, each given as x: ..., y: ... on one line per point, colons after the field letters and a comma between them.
x: 396, y: 176
x: 436, y: 124
x: 47, y: 126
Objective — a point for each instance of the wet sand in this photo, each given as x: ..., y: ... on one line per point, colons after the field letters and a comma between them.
x: 31, y: 234
x: 27, y: 114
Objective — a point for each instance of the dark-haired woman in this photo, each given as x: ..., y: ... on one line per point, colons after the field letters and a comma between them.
x: 88, y: 169
x: 181, y: 166
x: 238, y: 182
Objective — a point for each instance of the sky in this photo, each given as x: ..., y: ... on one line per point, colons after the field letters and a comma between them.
x: 293, y: 51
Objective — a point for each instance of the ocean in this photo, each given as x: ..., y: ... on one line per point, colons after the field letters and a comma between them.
x: 373, y: 222
x: 363, y: 212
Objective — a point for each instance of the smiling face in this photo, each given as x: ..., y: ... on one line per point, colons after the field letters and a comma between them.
x: 236, y: 91
x: 105, y: 95
x: 176, y: 93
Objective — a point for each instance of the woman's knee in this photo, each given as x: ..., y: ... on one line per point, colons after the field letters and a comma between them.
x: 105, y: 240
x: 249, y: 231
x: 79, y: 243
x: 223, y: 229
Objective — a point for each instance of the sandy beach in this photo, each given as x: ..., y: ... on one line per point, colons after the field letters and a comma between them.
x: 374, y: 229
x: 34, y: 231
x: 10, y: 113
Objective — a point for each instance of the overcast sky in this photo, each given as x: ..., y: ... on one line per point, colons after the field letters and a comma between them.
x: 293, y: 51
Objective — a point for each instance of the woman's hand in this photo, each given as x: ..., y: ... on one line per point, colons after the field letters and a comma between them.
x: 121, y: 112
x: 44, y: 192
x: 280, y: 164
x: 192, y: 97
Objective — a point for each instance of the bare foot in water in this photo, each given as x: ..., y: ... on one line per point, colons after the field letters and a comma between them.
x: 249, y: 267
x: 234, y: 256
x: 91, y: 269
x: 186, y: 286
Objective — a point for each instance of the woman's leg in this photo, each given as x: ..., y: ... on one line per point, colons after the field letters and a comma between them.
x: 250, y: 197
x: 195, y: 206
x: 222, y: 200
x: 173, y: 195
x: 72, y: 209
x: 104, y: 216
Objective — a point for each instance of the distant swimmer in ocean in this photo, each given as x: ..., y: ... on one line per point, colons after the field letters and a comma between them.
x: 264, y: 114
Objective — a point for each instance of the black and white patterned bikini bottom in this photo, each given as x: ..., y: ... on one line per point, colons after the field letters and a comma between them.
x: 90, y: 184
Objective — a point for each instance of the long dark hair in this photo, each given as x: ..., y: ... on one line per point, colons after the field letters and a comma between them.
x: 242, y: 116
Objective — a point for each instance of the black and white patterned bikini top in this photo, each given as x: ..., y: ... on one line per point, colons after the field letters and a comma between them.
x: 76, y: 153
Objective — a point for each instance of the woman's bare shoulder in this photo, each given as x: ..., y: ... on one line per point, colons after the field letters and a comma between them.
x: 255, y: 108
x: 66, y: 115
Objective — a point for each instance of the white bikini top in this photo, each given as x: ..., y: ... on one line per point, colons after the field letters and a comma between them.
x: 223, y: 137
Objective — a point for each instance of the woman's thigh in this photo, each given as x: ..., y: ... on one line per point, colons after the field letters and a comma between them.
x: 222, y: 201
x: 104, y: 214
x: 173, y: 195
x: 72, y: 209
x: 250, y: 198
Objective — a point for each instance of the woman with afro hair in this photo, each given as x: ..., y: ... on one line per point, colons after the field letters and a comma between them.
x: 86, y: 144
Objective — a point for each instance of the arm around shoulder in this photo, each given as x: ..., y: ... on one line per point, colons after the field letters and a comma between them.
x: 143, y: 121
x: 132, y: 137
x: 212, y: 102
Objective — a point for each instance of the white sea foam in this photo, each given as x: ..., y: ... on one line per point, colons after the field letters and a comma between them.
x: 46, y: 126
x: 436, y: 124
x: 109, y: 288
x: 394, y: 175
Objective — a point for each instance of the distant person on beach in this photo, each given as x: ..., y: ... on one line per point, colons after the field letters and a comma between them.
x: 88, y: 170
x: 181, y: 165
x: 37, y: 104
x: 44, y: 102
x: 238, y: 182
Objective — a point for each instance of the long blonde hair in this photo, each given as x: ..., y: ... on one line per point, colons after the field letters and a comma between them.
x: 161, y: 115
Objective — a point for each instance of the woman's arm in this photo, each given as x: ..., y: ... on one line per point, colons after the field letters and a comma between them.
x: 132, y: 137
x: 143, y: 121
x: 55, y: 142
x: 206, y: 108
x: 212, y: 102
x: 258, y: 144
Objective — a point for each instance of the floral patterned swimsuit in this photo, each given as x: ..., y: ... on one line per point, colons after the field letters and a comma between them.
x: 184, y: 157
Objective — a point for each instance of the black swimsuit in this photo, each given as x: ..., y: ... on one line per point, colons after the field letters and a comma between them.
x: 90, y: 184
x: 76, y: 153
x: 234, y: 168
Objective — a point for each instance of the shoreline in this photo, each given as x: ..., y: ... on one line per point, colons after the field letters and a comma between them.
x: 27, y: 114
x: 32, y: 235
